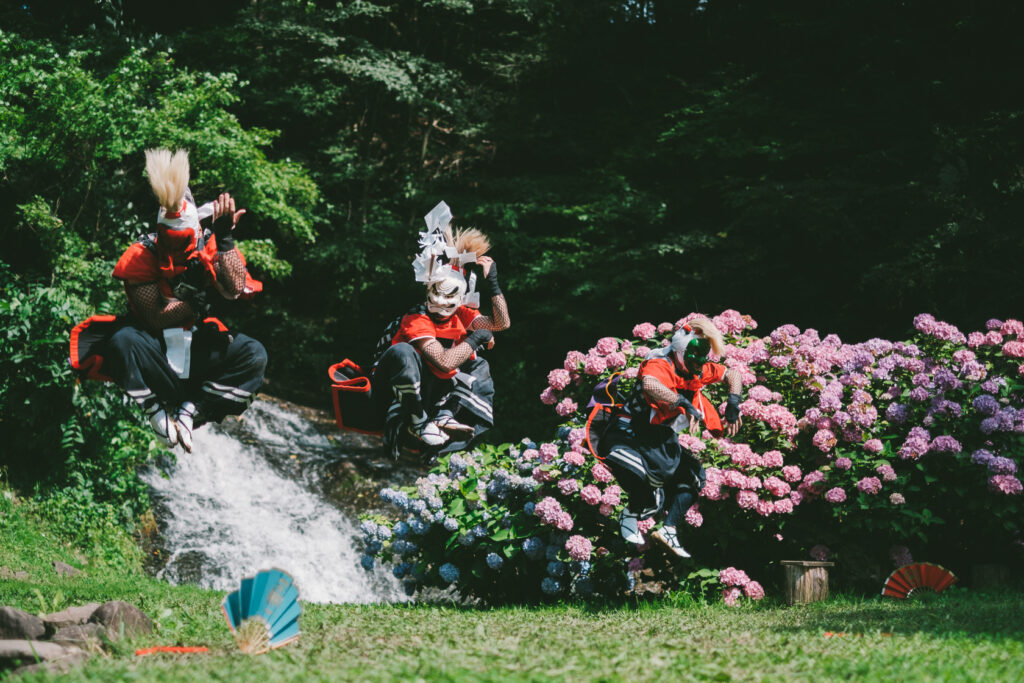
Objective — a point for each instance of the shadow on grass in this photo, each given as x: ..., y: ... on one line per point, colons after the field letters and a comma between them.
x: 999, y: 615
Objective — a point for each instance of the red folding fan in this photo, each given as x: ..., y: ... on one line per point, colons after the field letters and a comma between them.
x: 917, y: 578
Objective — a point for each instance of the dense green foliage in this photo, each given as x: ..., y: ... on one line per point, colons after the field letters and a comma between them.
x: 842, y: 165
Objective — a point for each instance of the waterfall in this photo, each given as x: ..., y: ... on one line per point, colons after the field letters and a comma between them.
x: 249, y: 497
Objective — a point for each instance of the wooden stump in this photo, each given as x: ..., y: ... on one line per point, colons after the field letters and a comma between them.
x: 806, y: 581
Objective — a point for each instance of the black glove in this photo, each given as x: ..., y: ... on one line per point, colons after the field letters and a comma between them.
x: 191, y: 286
x: 491, y: 288
x: 478, y: 338
x: 732, y: 409
x: 222, y: 228
x: 685, y: 404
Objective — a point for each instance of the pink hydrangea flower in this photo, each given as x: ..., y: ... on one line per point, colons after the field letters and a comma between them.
x: 601, y: 473
x: 595, y: 365
x: 773, y: 459
x: 573, y: 458
x: 824, y: 440
x: 606, y: 509
x: 791, y: 473
x: 843, y: 463
x: 784, y: 506
x: 590, y: 494
x: 579, y: 547
x: 530, y: 454
x: 665, y: 328
x: 631, y: 372
x: 887, y: 472
x: 573, y: 361
x: 568, y: 486
x: 1012, y: 326
x: 691, y: 443
x: 870, y: 485
x: 542, y: 475
x: 559, y: 379
x: 548, y: 397
x: 606, y: 345
x: 548, y: 452
x: 835, y: 495
x: 611, y: 495
x: 566, y: 407
x: 897, y: 499
x: 548, y: 510
x: 873, y: 446
x: 753, y: 590
x: 900, y: 556
x: 820, y: 553
x: 564, y: 521
x: 746, y: 499
x: 693, y: 516
x: 645, y: 525
x: 616, y: 359
x: 644, y: 331
x: 642, y: 351
x: 1007, y: 484
x: 731, y: 596
x: 731, y: 576
x: 777, y: 487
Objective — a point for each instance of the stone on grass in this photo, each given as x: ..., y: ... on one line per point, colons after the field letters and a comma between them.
x: 23, y: 653
x: 64, y: 569
x: 8, y: 573
x: 85, y: 636
x: 122, y: 619
x: 16, y: 624
x: 70, y: 616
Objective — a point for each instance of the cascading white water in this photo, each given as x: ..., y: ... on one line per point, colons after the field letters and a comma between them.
x: 231, y: 509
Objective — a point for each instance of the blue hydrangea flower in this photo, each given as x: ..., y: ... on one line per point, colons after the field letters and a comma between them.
x: 506, y: 521
x: 418, y: 506
x: 418, y: 527
x: 439, y: 517
x: 434, y: 503
x: 479, y: 531
x: 369, y: 528
x: 563, y: 432
x: 401, y: 530
x: 449, y: 572
x: 451, y: 524
x: 494, y: 560
x: 373, y: 547
x: 550, y: 585
x: 551, y: 552
x: 383, y: 532
x: 467, y: 538
x: 529, y: 507
x: 410, y: 588
x: 367, y: 562
x: 533, y: 547
x: 556, y: 568
x: 401, y: 570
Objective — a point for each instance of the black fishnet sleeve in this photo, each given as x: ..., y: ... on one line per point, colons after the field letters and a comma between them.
x: 657, y: 393
x: 155, y: 311
x: 230, y: 273
x: 497, y: 321
x: 733, y: 379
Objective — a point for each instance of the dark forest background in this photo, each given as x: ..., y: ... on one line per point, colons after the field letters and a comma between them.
x: 838, y: 165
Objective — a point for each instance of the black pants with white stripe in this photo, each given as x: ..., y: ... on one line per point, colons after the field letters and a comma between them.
x: 226, y: 371
x: 468, y: 397
x: 640, y: 468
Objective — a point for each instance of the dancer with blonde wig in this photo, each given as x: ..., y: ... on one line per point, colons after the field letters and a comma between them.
x: 181, y: 367
x: 641, y: 444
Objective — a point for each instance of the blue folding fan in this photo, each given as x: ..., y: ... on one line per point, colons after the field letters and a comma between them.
x: 264, y: 613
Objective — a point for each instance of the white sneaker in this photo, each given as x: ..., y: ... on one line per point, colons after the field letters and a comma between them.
x: 668, y: 536
x: 630, y: 528
x: 186, y: 416
x: 163, y: 425
x: 428, y: 432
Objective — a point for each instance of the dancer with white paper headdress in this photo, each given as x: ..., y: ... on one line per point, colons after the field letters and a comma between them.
x: 442, y: 389
x: 180, y: 366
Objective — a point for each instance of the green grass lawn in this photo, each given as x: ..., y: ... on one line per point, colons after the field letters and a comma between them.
x: 959, y: 636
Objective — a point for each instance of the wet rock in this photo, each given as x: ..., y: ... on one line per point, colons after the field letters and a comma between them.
x: 16, y: 624
x: 70, y: 616
x: 122, y: 620
x: 63, y: 569
x: 28, y: 653
x: 85, y: 636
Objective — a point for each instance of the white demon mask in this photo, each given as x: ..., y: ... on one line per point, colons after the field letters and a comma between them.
x: 444, y: 294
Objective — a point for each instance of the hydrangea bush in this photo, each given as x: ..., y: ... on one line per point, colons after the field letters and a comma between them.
x: 864, y: 446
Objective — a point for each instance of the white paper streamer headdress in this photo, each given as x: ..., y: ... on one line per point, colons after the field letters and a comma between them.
x: 438, y: 257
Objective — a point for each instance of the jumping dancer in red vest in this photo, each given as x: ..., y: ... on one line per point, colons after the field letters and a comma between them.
x: 180, y: 367
x: 641, y: 445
